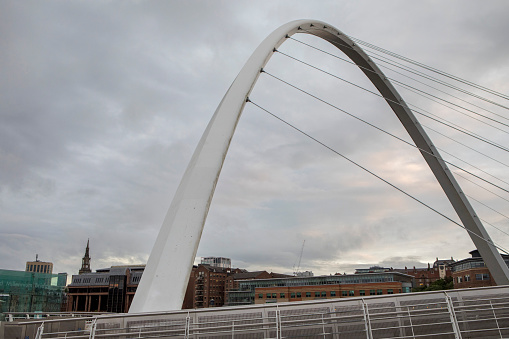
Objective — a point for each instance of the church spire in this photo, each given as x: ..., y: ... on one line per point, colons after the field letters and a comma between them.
x: 85, y: 262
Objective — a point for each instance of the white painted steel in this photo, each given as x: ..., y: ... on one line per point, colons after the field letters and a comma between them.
x: 163, y: 284
x: 479, y: 313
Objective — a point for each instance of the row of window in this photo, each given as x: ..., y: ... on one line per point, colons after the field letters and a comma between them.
x: 323, y: 294
x: 479, y: 276
x: 468, y: 265
x: 38, y: 268
x: 88, y: 280
x: 313, y: 281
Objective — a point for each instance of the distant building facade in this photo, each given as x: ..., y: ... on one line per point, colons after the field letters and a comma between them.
x: 220, y: 262
x: 22, y: 291
x: 113, y: 289
x: 106, y: 290
x: 425, y: 276
x: 260, y: 291
x: 38, y: 266
x: 472, y: 272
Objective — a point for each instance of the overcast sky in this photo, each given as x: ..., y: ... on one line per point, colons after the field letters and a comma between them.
x: 103, y: 102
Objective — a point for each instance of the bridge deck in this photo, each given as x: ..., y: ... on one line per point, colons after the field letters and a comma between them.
x: 468, y: 313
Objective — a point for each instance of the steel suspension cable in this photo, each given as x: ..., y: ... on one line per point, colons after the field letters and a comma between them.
x: 472, y: 165
x: 462, y: 130
x: 489, y: 241
x: 484, y: 188
x: 380, y: 129
x: 470, y: 148
x: 401, y: 66
x: 494, y: 210
x: 429, y: 68
x: 441, y: 91
x: 471, y: 134
x: 424, y: 94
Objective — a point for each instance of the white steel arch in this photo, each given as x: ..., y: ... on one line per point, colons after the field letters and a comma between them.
x: 172, y: 256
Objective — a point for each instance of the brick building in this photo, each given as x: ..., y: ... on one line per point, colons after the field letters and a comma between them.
x: 258, y: 291
x: 300, y: 293
x: 210, y: 284
x: 113, y: 289
x: 425, y: 276
x: 472, y: 272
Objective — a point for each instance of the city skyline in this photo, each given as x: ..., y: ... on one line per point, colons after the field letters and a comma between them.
x: 103, y: 104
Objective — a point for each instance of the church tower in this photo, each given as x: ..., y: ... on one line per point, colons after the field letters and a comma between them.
x: 85, y: 262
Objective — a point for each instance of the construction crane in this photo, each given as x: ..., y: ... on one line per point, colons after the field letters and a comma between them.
x: 296, y: 271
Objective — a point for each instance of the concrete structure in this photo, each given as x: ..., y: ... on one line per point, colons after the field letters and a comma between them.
x: 176, y: 245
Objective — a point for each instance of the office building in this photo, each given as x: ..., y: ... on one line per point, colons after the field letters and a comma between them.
x: 22, y: 291
x: 38, y: 266
x: 472, y: 272
x: 260, y: 291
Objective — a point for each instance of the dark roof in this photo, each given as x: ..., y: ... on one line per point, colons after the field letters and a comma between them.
x: 214, y: 268
x: 247, y: 275
x: 280, y: 275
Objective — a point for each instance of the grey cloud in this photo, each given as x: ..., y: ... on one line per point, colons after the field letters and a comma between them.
x: 102, y: 104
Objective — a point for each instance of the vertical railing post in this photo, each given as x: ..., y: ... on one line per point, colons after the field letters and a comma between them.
x: 278, y: 324
x: 188, y: 325
x: 410, y: 319
x: 92, y: 329
x: 323, y: 326
x: 40, y: 331
x: 496, y: 320
x: 367, y: 320
x: 454, y: 321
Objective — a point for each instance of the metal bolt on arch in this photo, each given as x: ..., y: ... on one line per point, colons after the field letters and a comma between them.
x: 173, y: 254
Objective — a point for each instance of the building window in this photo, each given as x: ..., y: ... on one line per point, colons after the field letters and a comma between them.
x: 344, y: 293
x: 260, y: 296
x: 390, y: 292
x: 274, y: 295
x: 332, y: 293
x: 467, y: 277
x: 268, y: 296
x: 362, y: 292
x: 379, y: 292
x: 351, y: 293
x: 308, y: 294
x: 460, y: 280
x: 281, y: 295
x: 483, y: 276
x: 298, y: 295
x: 324, y: 294
x: 292, y: 295
x: 317, y: 294
x: 372, y: 292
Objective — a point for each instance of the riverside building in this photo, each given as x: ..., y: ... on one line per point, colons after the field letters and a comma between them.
x: 261, y: 291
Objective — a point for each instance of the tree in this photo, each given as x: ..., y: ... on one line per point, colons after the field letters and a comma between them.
x: 437, y: 285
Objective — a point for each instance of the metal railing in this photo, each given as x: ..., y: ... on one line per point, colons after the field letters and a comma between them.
x: 469, y: 313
